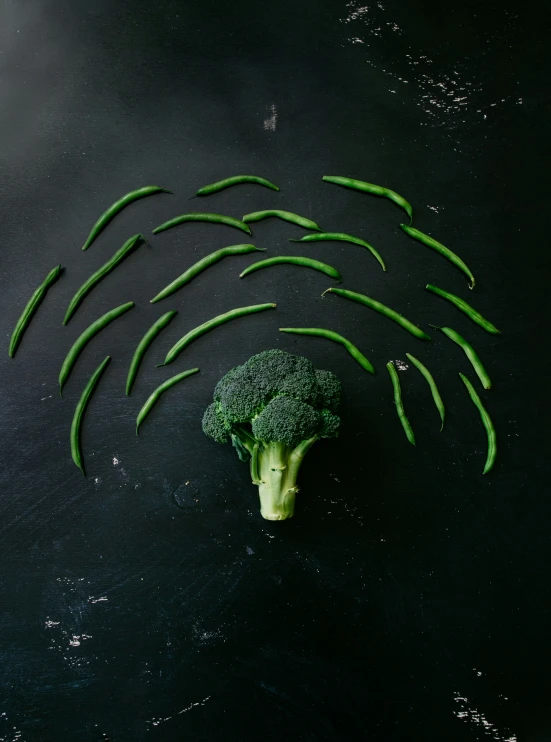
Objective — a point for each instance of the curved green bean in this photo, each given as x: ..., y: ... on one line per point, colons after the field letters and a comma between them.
x: 356, y: 354
x: 470, y: 353
x: 464, y: 307
x: 143, y: 345
x: 201, y: 265
x: 31, y: 307
x: 341, y: 237
x: 287, y: 216
x: 408, y: 430
x: 374, y: 190
x: 210, y: 325
x: 382, y: 309
x: 299, y: 260
x: 146, y: 409
x: 229, y: 221
x: 96, y: 277
x: 234, y: 180
x: 80, y: 409
x: 433, y: 388
x: 486, y: 421
x: 117, y: 207
x: 442, y: 249
x: 85, y: 337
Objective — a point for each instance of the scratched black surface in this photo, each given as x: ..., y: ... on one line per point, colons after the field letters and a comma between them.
x: 409, y: 597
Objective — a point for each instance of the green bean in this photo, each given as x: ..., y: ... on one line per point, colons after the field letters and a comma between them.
x: 96, y: 277
x: 85, y: 337
x: 442, y: 249
x: 201, y: 265
x: 80, y: 409
x: 433, y: 388
x: 117, y: 207
x: 464, y: 307
x: 32, y: 305
x: 382, y: 309
x: 486, y: 421
x: 399, y: 404
x: 143, y: 345
x: 210, y: 325
x: 287, y: 216
x: 470, y: 353
x: 356, y: 354
x: 305, y: 262
x: 146, y: 409
x: 234, y: 180
x: 229, y: 221
x: 374, y: 190
x: 341, y: 237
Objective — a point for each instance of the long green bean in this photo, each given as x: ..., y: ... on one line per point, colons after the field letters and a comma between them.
x: 470, y: 353
x: 234, y: 180
x: 31, y: 307
x: 96, y: 277
x: 287, y: 216
x: 382, y: 309
x: 341, y: 237
x: 80, y: 409
x: 356, y: 354
x: 442, y: 249
x: 433, y: 388
x: 143, y: 345
x: 229, y: 221
x: 464, y: 307
x: 408, y: 430
x: 298, y: 260
x: 210, y: 325
x: 85, y: 337
x: 117, y: 207
x: 486, y: 421
x: 374, y: 190
x: 202, y: 265
x: 146, y: 409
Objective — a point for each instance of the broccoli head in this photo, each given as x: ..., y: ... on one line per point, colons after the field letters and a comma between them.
x: 273, y: 408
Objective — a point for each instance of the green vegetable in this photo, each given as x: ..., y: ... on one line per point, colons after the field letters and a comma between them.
x: 425, y: 239
x: 117, y: 207
x: 321, y: 332
x: 486, y: 421
x: 287, y: 216
x: 471, y: 354
x: 143, y: 345
x: 229, y: 221
x: 96, y: 277
x: 32, y: 305
x: 274, y: 408
x: 433, y: 388
x: 342, y: 237
x: 374, y: 190
x: 234, y: 180
x: 202, y: 265
x: 80, y: 409
x: 152, y: 399
x: 408, y: 430
x: 464, y: 307
x: 298, y: 260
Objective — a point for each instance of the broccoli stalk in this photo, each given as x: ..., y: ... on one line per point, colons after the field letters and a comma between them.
x: 274, y: 408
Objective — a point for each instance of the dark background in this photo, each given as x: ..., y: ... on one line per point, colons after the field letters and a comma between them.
x: 408, y: 599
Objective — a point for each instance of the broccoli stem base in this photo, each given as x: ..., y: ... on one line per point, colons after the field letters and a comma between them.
x: 276, y: 470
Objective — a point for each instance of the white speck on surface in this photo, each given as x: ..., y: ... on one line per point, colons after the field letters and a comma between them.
x: 434, y: 208
x: 270, y: 123
x: 401, y: 365
x: 250, y: 550
x: 477, y: 717
x: 103, y: 599
x: 115, y: 461
x: 43, y: 398
x: 50, y: 624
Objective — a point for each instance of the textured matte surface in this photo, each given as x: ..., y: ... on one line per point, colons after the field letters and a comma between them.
x: 408, y: 599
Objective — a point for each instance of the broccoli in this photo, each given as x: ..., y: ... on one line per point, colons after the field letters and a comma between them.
x: 273, y: 408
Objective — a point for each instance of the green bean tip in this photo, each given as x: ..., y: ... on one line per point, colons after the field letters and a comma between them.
x: 326, y: 290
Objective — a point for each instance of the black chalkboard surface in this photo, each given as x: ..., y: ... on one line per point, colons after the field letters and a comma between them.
x: 408, y: 598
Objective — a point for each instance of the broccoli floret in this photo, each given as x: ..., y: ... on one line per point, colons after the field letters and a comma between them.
x: 273, y: 408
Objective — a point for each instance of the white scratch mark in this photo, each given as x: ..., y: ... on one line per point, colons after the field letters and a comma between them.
x: 270, y: 123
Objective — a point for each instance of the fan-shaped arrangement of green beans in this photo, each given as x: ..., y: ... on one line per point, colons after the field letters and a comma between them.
x: 316, y: 235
